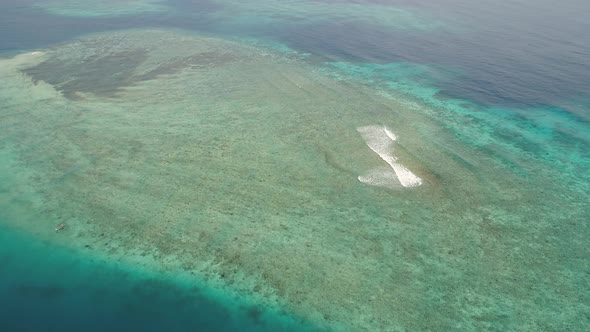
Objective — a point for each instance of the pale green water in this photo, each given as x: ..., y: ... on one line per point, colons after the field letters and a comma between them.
x: 239, y: 166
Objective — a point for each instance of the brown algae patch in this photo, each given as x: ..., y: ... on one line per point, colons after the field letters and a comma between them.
x: 102, y: 67
x: 240, y: 166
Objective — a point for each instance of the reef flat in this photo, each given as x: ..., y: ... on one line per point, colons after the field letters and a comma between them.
x: 239, y: 167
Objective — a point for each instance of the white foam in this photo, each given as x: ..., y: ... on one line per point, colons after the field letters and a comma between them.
x: 381, y: 140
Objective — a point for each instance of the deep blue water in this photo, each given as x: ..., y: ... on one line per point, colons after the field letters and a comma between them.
x: 517, y: 54
x: 44, y: 288
x: 510, y: 53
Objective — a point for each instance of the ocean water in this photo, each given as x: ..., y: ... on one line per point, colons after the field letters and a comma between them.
x: 302, y: 165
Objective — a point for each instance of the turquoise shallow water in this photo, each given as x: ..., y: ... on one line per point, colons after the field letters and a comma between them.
x: 216, y: 169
